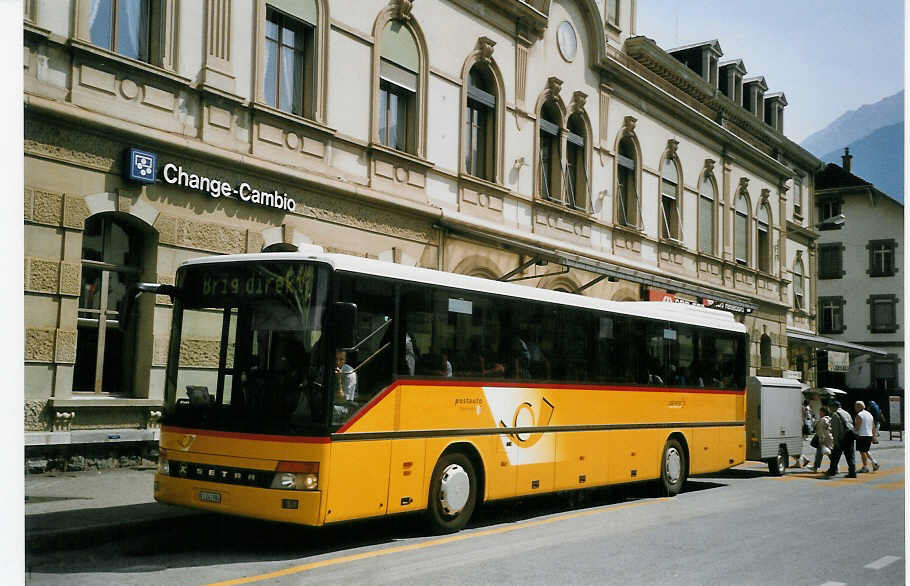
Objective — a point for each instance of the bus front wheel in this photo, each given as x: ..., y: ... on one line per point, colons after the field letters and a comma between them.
x: 672, y: 468
x: 453, y: 493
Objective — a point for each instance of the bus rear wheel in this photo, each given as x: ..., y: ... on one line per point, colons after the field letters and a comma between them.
x: 453, y: 493
x: 672, y: 468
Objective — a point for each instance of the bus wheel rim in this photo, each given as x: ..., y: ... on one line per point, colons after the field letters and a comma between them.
x: 673, y: 466
x: 454, y: 489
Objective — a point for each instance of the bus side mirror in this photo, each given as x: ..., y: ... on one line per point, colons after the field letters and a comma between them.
x: 156, y: 288
x: 344, y: 321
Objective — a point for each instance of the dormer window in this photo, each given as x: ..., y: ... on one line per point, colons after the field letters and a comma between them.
x: 774, y: 110
x: 754, y: 89
x: 730, y: 80
x: 700, y: 58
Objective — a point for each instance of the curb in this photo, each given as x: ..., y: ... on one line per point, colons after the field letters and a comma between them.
x: 91, y: 535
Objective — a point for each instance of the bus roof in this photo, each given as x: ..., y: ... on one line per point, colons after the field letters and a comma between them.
x: 676, y: 312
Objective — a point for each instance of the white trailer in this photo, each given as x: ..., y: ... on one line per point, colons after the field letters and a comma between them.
x: 774, y: 421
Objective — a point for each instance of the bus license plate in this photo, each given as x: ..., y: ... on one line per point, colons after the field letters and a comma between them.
x: 209, y: 497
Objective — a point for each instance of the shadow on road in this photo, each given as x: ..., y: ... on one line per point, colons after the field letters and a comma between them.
x: 207, y: 539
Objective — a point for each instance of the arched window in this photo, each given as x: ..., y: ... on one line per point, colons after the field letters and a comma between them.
x: 289, y: 74
x: 112, y: 254
x: 480, y: 124
x: 740, y: 230
x: 550, y: 156
x: 669, y: 199
x: 707, y: 195
x: 399, y: 68
x: 763, y: 238
x: 626, y: 182
x: 798, y: 286
x: 576, y: 170
x: 765, y: 350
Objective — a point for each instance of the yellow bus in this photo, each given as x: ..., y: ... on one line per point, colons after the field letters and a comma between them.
x: 317, y: 388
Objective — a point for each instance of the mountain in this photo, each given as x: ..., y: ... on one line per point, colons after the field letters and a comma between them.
x: 856, y: 124
x: 875, y: 135
x: 878, y: 158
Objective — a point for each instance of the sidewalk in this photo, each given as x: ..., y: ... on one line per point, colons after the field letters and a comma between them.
x: 69, y: 510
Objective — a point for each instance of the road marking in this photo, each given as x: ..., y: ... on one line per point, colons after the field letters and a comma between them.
x: 896, y: 485
x: 426, y: 544
x: 882, y: 562
x: 866, y: 478
x: 834, y: 584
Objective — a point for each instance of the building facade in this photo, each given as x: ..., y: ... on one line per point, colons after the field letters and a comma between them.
x: 542, y: 141
x: 860, y: 277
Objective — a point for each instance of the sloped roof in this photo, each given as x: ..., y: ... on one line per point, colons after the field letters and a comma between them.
x: 834, y: 176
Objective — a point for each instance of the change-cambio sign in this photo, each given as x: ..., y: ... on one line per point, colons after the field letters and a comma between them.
x: 142, y: 166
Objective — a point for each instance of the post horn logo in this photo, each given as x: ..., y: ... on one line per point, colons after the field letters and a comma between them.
x: 524, y: 419
x: 186, y: 441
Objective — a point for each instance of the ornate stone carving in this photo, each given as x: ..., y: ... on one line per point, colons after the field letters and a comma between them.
x: 765, y: 193
x: 152, y: 419
x: 672, y: 145
x: 578, y: 101
x: 628, y: 124
x: 743, y: 185
x: 709, y: 165
x: 62, y: 143
x: 485, y: 46
x: 63, y: 420
x: 554, y: 86
x: 402, y: 9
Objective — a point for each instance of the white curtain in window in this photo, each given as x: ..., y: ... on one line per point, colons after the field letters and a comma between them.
x: 129, y: 15
x: 99, y: 23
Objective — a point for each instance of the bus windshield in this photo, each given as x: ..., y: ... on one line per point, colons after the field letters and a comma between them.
x: 246, y: 351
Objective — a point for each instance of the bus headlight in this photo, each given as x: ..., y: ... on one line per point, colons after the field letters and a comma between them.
x: 163, y: 467
x: 296, y: 476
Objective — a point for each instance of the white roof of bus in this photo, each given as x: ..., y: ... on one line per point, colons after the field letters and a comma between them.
x: 676, y: 312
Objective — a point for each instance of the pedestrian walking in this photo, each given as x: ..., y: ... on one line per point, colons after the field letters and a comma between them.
x: 865, y: 426
x: 808, y: 419
x: 844, y: 435
x: 823, y: 440
x: 877, y: 418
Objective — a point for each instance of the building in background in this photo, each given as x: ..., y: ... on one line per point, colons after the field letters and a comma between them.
x: 541, y: 141
x: 860, y: 283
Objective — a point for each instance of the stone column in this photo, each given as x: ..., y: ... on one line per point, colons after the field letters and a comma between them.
x: 218, y: 72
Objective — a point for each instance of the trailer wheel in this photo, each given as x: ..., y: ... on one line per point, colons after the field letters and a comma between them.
x: 777, y: 466
x: 672, y: 468
x: 453, y: 493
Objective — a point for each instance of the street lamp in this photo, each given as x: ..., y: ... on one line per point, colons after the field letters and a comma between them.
x: 838, y: 220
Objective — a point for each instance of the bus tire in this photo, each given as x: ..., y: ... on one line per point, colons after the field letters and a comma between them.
x: 453, y: 493
x: 672, y: 468
x: 777, y: 466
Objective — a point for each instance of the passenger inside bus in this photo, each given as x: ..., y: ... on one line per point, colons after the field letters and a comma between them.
x: 345, y: 385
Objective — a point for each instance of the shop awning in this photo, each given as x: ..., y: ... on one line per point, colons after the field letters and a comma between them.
x: 823, y: 343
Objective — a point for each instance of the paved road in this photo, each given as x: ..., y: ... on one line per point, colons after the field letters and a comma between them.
x: 738, y: 527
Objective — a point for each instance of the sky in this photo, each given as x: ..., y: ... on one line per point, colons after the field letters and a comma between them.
x: 827, y: 56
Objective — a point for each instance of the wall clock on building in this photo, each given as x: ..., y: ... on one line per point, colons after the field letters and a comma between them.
x: 567, y: 41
